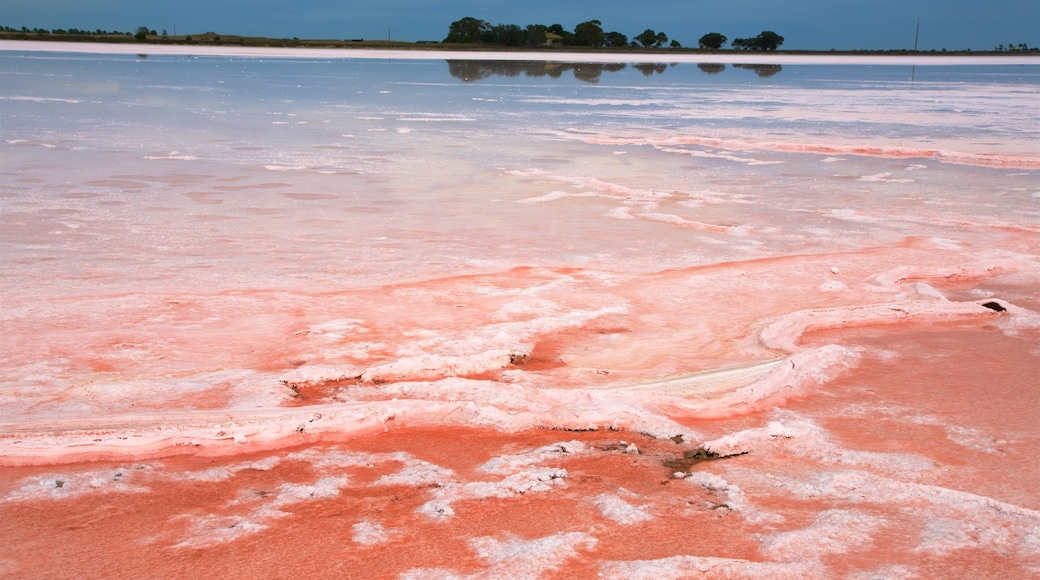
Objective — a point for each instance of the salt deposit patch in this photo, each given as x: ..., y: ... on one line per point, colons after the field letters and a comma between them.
x: 534, y: 480
x: 418, y: 473
x: 799, y: 436
x: 681, y: 567
x: 58, y: 486
x: 616, y: 508
x: 519, y: 461
x: 994, y: 525
x: 513, y: 557
x: 833, y: 532
x: 369, y: 533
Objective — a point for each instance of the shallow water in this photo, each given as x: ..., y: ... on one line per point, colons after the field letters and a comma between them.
x: 247, y: 300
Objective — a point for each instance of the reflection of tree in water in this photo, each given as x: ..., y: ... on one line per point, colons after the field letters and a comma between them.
x: 649, y: 68
x: 475, y: 70
x: 712, y: 68
x: 763, y: 70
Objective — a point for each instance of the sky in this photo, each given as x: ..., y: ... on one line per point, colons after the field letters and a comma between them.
x: 805, y: 24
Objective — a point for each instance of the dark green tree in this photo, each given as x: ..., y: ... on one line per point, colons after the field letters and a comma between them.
x: 589, y: 33
x: 648, y: 37
x: 615, y: 39
x: 557, y: 29
x: 769, y: 40
x: 468, y: 29
x: 712, y: 40
x: 536, y: 34
x: 506, y: 35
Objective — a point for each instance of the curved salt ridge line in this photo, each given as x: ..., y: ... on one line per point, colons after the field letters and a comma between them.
x: 628, y: 406
x: 270, y: 428
x: 605, y: 188
x: 705, y: 383
x: 793, y: 374
x: 784, y: 332
x: 790, y: 376
x: 940, y: 155
x: 226, y: 432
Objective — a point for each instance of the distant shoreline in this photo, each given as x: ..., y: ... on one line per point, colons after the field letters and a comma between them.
x: 441, y: 51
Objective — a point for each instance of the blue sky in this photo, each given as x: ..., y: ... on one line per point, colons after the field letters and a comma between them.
x: 806, y: 24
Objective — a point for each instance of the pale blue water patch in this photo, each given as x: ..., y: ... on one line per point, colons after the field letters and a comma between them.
x: 187, y: 101
x: 387, y: 169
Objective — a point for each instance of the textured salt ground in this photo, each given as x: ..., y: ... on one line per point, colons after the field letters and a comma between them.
x: 906, y: 423
x: 134, y: 534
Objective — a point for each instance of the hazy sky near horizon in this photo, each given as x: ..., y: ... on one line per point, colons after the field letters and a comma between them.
x: 805, y: 24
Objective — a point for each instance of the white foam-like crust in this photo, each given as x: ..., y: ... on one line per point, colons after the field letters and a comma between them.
x: 513, y: 557
x: 70, y: 485
x: 107, y: 425
x: 533, y: 480
x: 727, y: 495
x: 381, y: 54
x: 784, y: 332
x: 369, y: 533
x: 615, y: 508
x: 684, y: 567
x: 256, y: 419
x: 790, y: 377
x: 792, y: 434
x: 888, y: 572
x: 988, y: 523
x: 210, y: 529
x: 834, y: 531
x: 487, y: 348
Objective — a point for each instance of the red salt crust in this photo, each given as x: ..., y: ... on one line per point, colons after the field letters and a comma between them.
x: 959, y: 374
x: 132, y: 534
x: 964, y: 375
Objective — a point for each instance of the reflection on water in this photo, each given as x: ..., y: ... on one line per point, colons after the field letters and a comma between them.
x: 470, y: 70
x: 763, y: 70
x: 651, y: 68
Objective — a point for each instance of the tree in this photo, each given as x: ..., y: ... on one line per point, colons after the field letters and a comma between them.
x: 536, y: 34
x: 769, y: 40
x: 566, y: 37
x: 506, y: 35
x: 712, y: 40
x: 589, y: 33
x: 142, y: 33
x: 615, y: 39
x: 468, y: 29
x: 675, y: 44
x: 650, y: 38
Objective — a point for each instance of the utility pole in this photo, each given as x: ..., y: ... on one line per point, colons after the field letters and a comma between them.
x: 917, y: 34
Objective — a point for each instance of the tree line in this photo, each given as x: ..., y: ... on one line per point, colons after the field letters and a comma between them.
x: 70, y: 31
x: 471, y: 30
